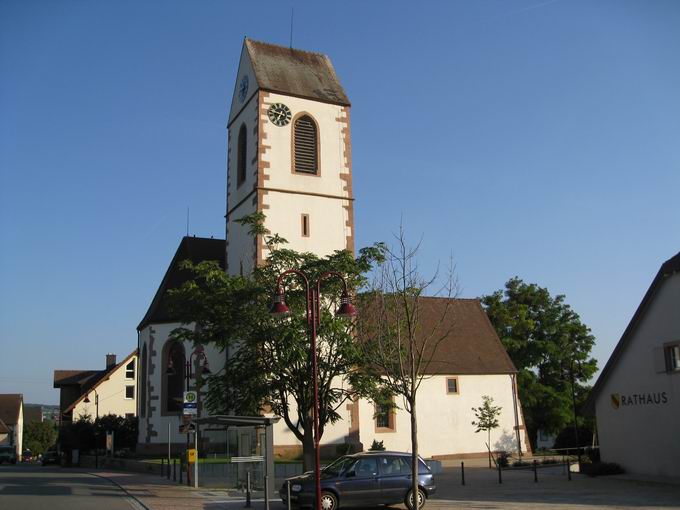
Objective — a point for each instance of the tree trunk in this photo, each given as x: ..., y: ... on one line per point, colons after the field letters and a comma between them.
x: 308, y: 457
x: 414, y: 448
x: 488, y: 445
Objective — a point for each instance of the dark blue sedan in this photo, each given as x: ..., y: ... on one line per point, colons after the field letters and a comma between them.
x: 362, y: 479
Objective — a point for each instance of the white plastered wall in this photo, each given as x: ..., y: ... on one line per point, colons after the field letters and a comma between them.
x: 160, y: 422
x: 445, y: 420
x: 112, y: 399
x: 643, y: 438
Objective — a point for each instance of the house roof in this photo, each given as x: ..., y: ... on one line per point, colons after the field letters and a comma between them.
x: 10, y: 407
x: 76, y: 377
x: 196, y: 249
x: 3, y: 428
x: 668, y: 268
x: 469, y: 343
x: 295, y: 72
x: 94, y: 383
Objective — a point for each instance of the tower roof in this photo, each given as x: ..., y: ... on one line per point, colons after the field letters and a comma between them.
x: 295, y: 72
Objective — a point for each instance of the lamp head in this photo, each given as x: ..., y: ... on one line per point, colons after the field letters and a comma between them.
x: 346, y: 309
x: 279, y: 307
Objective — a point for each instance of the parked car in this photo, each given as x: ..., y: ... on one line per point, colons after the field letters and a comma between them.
x: 50, y: 457
x: 362, y: 479
x: 8, y: 454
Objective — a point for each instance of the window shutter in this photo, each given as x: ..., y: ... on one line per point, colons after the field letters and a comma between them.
x: 306, y: 145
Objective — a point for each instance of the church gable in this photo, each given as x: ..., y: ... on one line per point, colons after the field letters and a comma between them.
x: 245, y: 87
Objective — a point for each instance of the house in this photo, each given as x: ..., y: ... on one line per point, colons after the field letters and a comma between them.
x: 12, y: 421
x: 92, y: 393
x: 289, y: 157
x: 636, y: 398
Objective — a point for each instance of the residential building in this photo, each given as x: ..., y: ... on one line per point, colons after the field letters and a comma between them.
x: 12, y: 421
x: 636, y: 398
x: 88, y: 393
x: 289, y: 157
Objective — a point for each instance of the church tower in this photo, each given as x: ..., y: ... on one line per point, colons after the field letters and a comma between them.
x: 289, y: 154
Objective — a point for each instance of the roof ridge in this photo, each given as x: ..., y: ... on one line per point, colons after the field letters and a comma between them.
x: 256, y: 41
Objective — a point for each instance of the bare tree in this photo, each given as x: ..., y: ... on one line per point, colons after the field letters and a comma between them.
x: 400, y: 339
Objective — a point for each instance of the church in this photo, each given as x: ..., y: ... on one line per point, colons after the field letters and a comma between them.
x: 290, y: 157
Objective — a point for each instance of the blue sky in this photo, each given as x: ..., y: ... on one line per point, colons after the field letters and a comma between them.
x: 530, y: 138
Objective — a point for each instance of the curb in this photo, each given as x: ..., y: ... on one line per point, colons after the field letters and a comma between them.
x: 134, y: 498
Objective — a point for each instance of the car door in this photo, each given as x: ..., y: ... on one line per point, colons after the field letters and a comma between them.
x: 395, y: 478
x: 359, y: 484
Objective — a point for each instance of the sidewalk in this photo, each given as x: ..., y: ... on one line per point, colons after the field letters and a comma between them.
x: 156, y: 493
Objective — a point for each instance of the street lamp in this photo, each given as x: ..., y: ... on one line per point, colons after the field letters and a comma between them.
x: 279, y: 308
x: 96, y: 403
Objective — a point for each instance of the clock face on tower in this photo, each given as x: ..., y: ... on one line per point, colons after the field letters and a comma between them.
x: 243, y: 88
x: 279, y: 114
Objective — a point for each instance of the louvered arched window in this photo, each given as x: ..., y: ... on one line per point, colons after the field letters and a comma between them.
x: 242, y: 154
x: 306, y: 141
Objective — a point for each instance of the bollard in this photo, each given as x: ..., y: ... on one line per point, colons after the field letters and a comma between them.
x: 462, y: 473
x: 162, y: 464
x: 181, y: 467
x: 288, y: 491
x: 535, y: 472
x: 568, y: 469
x: 500, y: 477
x: 247, y: 490
x: 168, y: 470
x: 174, y: 470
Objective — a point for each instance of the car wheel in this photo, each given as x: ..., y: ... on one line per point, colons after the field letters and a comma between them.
x: 329, y: 501
x: 408, y: 500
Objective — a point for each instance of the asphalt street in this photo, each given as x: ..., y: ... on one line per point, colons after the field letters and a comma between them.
x: 33, y: 487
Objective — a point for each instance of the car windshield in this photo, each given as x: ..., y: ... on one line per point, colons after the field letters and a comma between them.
x: 336, y: 467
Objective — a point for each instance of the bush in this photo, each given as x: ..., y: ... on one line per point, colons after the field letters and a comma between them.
x: 520, y: 463
x: 602, y: 469
x: 377, y: 446
x: 549, y: 460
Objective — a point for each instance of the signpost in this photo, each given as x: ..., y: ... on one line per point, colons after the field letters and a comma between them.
x: 189, y: 411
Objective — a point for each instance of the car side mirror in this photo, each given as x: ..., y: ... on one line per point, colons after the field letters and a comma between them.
x: 349, y: 474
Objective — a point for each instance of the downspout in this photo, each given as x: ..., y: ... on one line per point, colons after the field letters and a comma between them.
x: 514, y: 408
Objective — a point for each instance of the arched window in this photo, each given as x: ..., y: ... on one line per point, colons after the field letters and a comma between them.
x: 173, y: 373
x: 306, y: 142
x: 242, y: 155
x: 142, y: 383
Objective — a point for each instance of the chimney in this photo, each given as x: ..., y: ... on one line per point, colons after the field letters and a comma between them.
x: 110, y: 361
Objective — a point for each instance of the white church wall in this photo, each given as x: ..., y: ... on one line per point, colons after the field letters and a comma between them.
x: 641, y: 433
x: 445, y: 420
x: 153, y: 425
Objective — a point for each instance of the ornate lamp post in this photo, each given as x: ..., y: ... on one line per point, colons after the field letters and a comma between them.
x: 96, y: 404
x: 279, y: 308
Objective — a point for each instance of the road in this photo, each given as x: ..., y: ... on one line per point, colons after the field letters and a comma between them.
x: 33, y: 487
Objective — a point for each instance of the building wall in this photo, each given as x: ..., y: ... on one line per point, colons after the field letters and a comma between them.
x: 19, y: 432
x: 112, y: 399
x: 445, y: 420
x: 153, y: 422
x: 641, y: 433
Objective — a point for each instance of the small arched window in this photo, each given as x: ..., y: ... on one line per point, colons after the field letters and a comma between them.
x: 306, y: 142
x: 242, y: 155
x: 174, y: 377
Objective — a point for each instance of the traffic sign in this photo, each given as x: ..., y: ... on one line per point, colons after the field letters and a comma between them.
x: 187, y: 429
x: 191, y: 455
x: 190, y: 397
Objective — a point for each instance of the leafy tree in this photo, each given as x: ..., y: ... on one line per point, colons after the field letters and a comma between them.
x: 269, y: 362
x: 39, y: 436
x: 550, y: 347
x: 487, y: 419
x: 399, y: 342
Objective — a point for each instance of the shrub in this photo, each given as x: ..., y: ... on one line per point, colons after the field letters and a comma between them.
x: 602, y: 469
x: 377, y: 446
x: 549, y: 460
x: 520, y: 463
